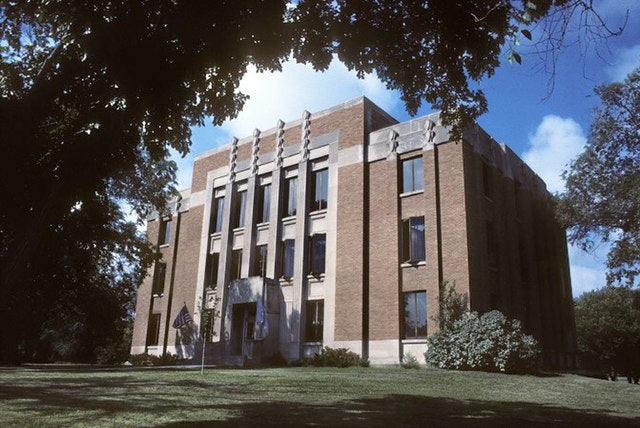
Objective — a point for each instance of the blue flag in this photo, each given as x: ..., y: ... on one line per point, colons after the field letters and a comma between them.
x: 262, y: 323
x: 183, y: 318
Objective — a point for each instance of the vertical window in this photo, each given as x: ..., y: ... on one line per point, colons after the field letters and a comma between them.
x: 212, y: 272
x: 153, y: 330
x: 159, y: 274
x: 241, y: 204
x: 317, y: 252
x: 288, y: 253
x: 320, y: 186
x: 516, y: 197
x: 412, y: 175
x: 216, y: 214
x: 314, y: 320
x: 165, y: 232
x: 264, y: 203
x: 236, y: 264
x: 260, y: 261
x: 486, y: 180
x: 415, y: 314
x: 413, y: 245
x: 492, y: 245
x: 290, y: 196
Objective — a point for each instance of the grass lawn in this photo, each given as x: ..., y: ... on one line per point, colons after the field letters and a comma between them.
x: 310, y: 396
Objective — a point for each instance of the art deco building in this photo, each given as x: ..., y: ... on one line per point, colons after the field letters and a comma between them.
x: 345, y: 223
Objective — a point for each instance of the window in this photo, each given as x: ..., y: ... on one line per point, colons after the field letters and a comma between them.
x: 412, y: 175
x: 236, y: 264
x: 486, y: 180
x: 159, y: 274
x: 413, y: 247
x: 415, y: 314
x: 288, y: 253
x: 241, y: 204
x: 291, y: 196
x: 153, y: 330
x: 264, y: 203
x: 216, y: 214
x: 516, y: 197
x: 165, y: 232
x: 260, y: 262
x: 320, y: 185
x: 212, y: 270
x: 314, y: 321
x: 317, y: 252
x: 492, y: 245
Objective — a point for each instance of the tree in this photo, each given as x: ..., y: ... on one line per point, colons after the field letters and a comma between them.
x: 608, y: 330
x: 94, y: 95
x: 602, y: 197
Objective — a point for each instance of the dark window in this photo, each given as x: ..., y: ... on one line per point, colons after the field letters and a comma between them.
x: 288, y: 253
x: 320, y: 185
x: 486, y: 179
x: 492, y: 245
x: 212, y: 272
x: 216, y: 214
x: 153, y: 330
x: 158, y: 278
x: 413, y: 246
x: 260, y: 263
x: 412, y: 175
x: 415, y: 314
x: 516, y: 197
x: 241, y: 204
x: 236, y: 264
x: 264, y: 203
x: 317, y: 252
x: 314, y: 321
x: 290, y: 193
x: 165, y: 232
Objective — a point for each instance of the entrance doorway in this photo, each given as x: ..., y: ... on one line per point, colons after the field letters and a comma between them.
x: 242, y: 326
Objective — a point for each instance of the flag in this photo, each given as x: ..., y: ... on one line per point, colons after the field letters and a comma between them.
x: 262, y: 323
x: 183, y: 318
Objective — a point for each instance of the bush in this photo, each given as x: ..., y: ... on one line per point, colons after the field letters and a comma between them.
x: 410, y: 362
x: 341, y: 357
x: 153, y: 360
x: 489, y: 342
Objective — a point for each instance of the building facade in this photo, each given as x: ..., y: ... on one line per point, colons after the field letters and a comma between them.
x: 338, y: 230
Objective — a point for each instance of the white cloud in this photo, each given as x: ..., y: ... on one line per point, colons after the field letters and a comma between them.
x: 555, y: 143
x: 587, y: 269
x: 626, y: 60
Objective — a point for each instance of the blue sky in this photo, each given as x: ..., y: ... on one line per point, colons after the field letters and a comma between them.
x: 547, y: 131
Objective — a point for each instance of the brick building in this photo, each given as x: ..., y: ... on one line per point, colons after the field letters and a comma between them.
x: 342, y: 225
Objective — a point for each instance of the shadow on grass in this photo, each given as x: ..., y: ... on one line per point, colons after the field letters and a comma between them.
x: 121, y: 396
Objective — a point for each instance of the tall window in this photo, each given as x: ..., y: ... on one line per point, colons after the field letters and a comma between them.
x: 415, y: 314
x: 317, y: 251
x: 413, y: 247
x: 288, y: 253
x: 492, y: 245
x: 320, y: 185
x: 216, y: 214
x: 236, y: 264
x: 165, y: 231
x: 314, y: 321
x: 153, y: 330
x: 412, y: 175
x: 241, y: 205
x: 159, y: 274
x: 260, y: 262
x: 291, y: 196
x: 486, y: 179
x: 212, y: 272
x: 264, y: 202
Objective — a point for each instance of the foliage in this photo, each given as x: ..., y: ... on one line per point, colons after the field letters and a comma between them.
x: 409, y: 361
x: 94, y: 99
x: 608, y: 329
x: 602, y: 197
x: 340, y: 357
x: 153, y: 360
x: 452, y: 305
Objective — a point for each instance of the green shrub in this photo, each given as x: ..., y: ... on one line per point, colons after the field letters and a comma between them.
x: 341, y: 357
x: 140, y: 359
x: 153, y: 360
x: 410, y: 362
x: 489, y: 342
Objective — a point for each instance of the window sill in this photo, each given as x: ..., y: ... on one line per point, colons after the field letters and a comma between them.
x: 415, y: 192
x: 317, y: 277
x: 216, y: 234
x: 238, y: 229
x: 263, y: 225
x: 416, y: 341
x: 413, y: 264
x: 312, y: 343
x: 285, y: 281
x: 288, y: 220
x: 318, y: 213
x: 164, y: 245
x: 157, y: 294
